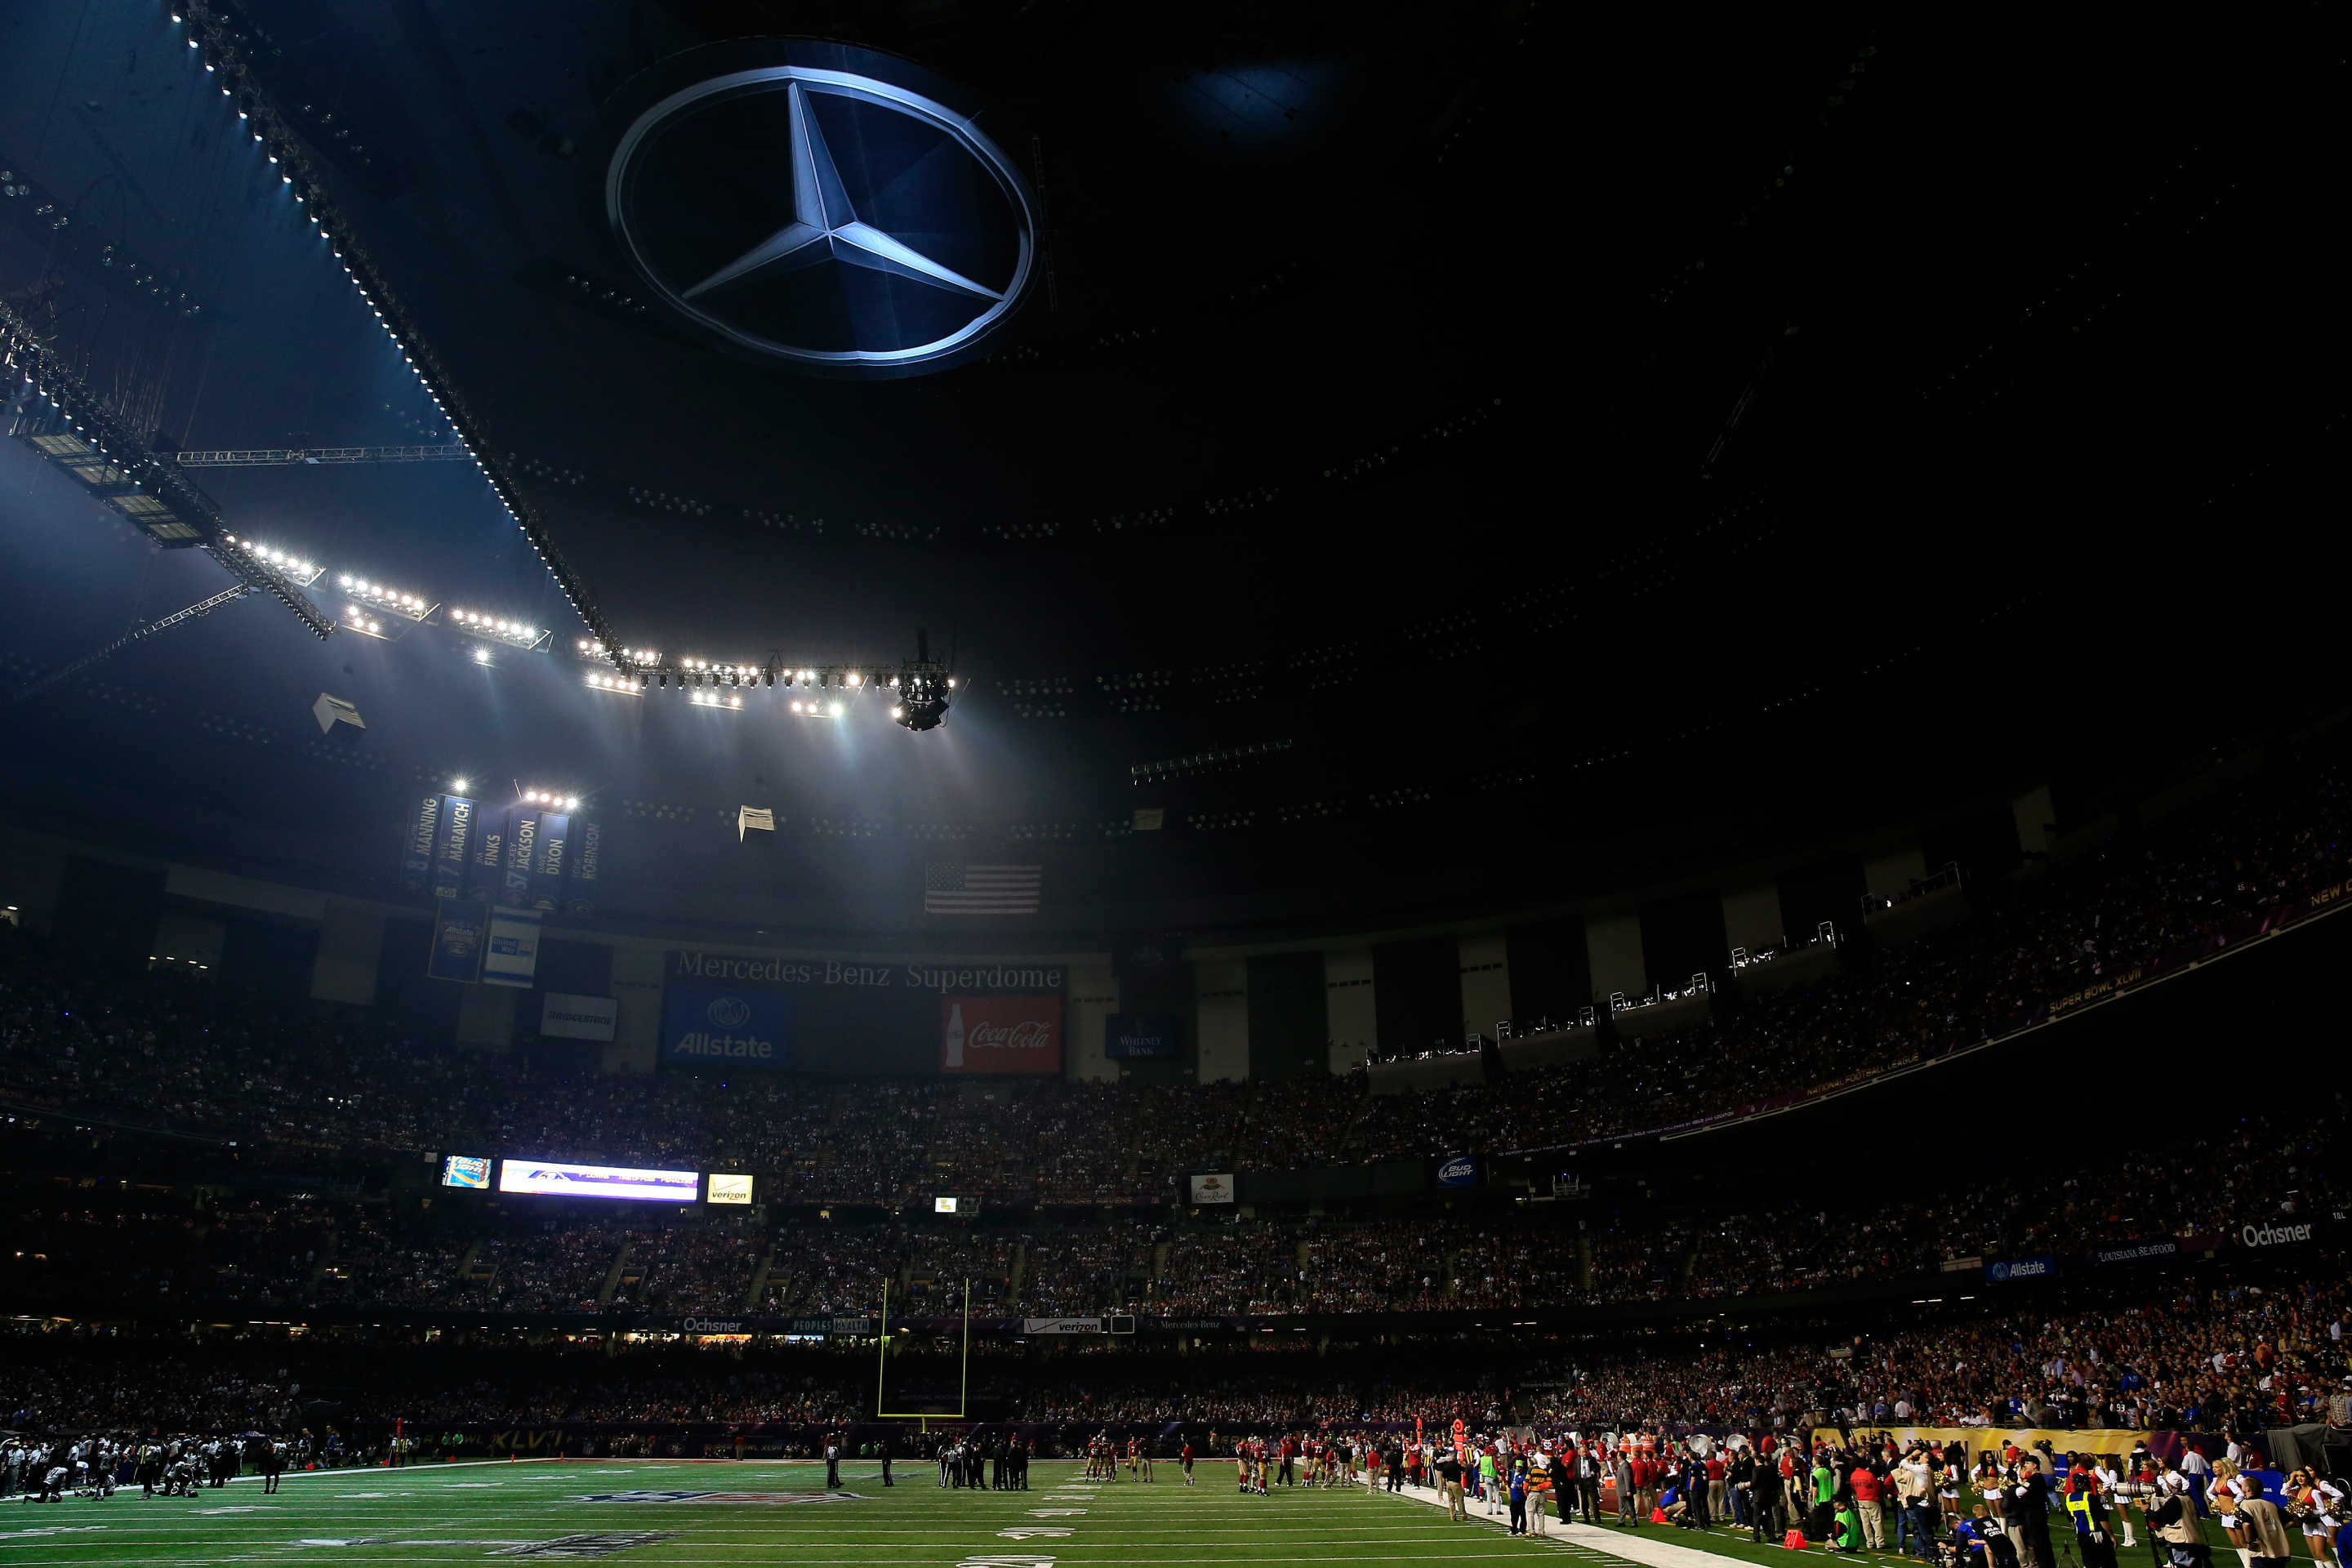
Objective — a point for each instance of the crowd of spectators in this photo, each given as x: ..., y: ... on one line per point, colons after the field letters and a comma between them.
x: 67, y: 1247
x: 2186, y: 1354
x: 167, y: 1054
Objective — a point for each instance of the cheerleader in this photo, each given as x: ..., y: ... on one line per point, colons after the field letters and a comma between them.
x: 2231, y: 1486
x: 2320, y: 1504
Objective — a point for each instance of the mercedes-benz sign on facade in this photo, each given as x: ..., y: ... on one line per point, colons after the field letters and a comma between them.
x: 819, y: 206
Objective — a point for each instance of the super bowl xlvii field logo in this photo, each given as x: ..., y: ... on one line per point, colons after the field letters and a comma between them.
x: 777, y: 1498
x: 818, y: 206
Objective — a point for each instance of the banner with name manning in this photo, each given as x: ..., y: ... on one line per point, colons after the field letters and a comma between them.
x: 420, y: 833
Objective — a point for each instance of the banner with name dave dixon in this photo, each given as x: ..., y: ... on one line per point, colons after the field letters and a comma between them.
x: 547, y: 864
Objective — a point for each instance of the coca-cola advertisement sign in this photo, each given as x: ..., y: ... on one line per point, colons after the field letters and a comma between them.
x: 1001, y: 1034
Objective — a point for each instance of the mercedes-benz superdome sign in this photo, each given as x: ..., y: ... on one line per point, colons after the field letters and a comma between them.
x: 818, y: 206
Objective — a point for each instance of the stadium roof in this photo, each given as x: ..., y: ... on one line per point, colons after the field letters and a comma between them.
x: 1434, y: 446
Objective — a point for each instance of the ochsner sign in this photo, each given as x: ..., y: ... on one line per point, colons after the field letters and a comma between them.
x: 2267, y: 1234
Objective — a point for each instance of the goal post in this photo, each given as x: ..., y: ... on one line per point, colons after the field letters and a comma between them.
x: 882, y: 1370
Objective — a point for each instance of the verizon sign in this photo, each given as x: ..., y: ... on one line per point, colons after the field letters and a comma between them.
x: 1001, y: 1034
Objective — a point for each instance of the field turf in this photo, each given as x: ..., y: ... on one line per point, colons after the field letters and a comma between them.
x: 543, y: 1511
x: 649, y: 1512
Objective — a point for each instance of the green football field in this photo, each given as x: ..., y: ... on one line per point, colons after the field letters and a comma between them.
x: 649, y: 1512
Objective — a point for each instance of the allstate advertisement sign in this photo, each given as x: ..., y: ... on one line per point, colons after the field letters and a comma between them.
x: 1461, y: 1171
x: 2011, y: 1268
x: 705, y: 1026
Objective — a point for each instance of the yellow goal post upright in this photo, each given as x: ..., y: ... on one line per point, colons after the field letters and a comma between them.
x: 882, y: 1369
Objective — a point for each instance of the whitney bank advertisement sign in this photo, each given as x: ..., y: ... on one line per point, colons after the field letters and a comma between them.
x: 744, y: 1010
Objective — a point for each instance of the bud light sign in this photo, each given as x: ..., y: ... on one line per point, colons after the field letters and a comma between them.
x: 1001, y: 1034
x: 706, y: 1027
x: 1461, y: 1171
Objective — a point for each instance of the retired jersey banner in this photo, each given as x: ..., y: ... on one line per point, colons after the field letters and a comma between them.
x: 547, y: 862
x: 587, y: 858
x: 522, y: 854
x: 1001, y: 1034
x: 450, y: 847
x: 461, y: 935
x: 485, y: 867
x: 420, y: 833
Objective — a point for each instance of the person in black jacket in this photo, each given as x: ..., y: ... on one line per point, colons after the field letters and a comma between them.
x: 2025, y: 1504
x: 1764, y: 1504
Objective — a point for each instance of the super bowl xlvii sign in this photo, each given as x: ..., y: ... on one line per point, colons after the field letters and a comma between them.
x: 818, y: 206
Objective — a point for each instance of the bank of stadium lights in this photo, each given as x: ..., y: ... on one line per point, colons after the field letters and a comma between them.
x: 808, y: 708
x: 495, y: 628
x: 553, y: 798
x: 382, y: 599
x: 614, y: 685
x: 726, y: 702
x: 295, y: 569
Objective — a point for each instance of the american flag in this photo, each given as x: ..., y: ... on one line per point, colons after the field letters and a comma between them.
x: 952, y: 889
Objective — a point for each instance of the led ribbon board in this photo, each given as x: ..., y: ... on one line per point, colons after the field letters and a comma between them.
x: 550, y: 1179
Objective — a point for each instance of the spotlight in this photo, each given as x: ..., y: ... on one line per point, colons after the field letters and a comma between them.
x: 571, y: 803
x: 457, y: 786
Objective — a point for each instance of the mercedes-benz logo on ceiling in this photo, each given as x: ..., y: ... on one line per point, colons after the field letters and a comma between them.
x: 826, y: 215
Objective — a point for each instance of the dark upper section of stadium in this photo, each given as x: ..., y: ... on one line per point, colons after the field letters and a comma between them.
x: 1449, y: 457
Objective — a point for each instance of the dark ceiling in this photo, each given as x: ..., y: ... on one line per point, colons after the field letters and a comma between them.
x: 1502, y: 427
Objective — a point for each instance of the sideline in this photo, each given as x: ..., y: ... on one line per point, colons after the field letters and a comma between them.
x: 357, y: 1472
